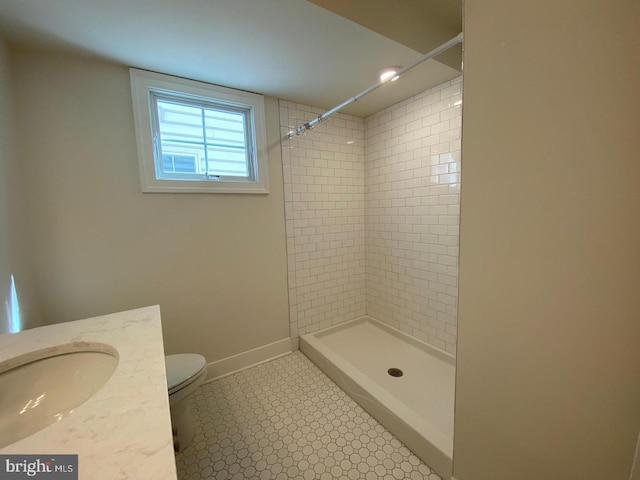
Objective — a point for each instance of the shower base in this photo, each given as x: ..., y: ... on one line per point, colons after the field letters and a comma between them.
x: 407, y: 385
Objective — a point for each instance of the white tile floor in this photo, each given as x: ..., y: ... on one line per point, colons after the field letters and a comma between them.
x: 285, y: 419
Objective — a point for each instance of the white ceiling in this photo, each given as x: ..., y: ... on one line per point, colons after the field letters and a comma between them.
x: 290, y: 49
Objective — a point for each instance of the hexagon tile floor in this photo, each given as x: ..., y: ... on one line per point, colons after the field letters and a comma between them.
x: 285, y: 419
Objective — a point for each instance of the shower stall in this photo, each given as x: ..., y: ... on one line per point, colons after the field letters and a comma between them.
x: 372, y: 215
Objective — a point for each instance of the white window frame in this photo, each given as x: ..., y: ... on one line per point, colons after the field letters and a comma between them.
x: 144, y: 83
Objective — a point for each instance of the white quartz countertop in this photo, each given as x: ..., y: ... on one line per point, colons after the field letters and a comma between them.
x: 124, y: 430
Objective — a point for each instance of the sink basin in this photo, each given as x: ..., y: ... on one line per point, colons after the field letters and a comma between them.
x: 44, y: 386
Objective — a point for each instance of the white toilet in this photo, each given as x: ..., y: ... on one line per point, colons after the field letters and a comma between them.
x: 185, y: 373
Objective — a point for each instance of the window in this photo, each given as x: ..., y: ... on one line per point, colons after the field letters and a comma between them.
x: 194, y: 137
x: 176, y: 163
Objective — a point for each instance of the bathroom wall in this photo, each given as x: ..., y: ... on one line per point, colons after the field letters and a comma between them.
x: 324, y: 205
x: 15, y: 259
x: 6, y: 134
x: 548, y: 363
x: 372, y: 215
x: 215, y: 263
x: 412, y: 199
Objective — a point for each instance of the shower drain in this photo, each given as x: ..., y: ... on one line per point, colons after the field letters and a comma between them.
x: 395, y: 372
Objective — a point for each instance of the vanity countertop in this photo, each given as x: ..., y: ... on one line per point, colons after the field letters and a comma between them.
x: 124, y: 430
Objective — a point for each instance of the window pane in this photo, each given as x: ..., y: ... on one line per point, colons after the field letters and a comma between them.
x: 225, y: 161
x: 181, y: 136
x: 208, y: 141
x: 226, y: 149
x: 185, y: 164
x: 178, y: 163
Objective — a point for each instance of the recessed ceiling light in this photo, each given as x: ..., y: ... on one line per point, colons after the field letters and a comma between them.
x: 389, y: 73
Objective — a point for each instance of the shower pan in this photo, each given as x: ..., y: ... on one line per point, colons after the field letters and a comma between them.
x: 407, y: 385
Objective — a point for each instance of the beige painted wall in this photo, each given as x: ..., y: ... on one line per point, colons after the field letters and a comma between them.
x: 548, y: 378
x: 15, y: 258
x: 5, y: 157
x: 215, y: 263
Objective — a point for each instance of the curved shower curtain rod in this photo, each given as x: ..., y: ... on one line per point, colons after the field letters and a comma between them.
x: 436, y: 51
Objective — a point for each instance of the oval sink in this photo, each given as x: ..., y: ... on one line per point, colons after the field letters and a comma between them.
x: 42, y: 387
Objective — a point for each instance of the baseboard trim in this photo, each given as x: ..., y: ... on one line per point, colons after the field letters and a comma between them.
x: 236, y: 363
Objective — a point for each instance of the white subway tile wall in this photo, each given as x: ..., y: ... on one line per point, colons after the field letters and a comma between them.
x: 372, y: 210
x: 412, y: 212
x: 324, y: 212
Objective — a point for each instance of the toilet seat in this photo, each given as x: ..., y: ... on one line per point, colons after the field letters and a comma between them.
x: 183, y: 369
